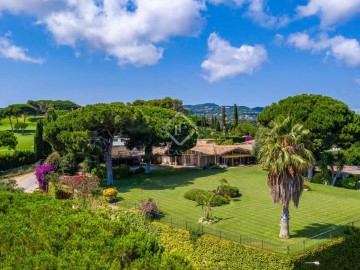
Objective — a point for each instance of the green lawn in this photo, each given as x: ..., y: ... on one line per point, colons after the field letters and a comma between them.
x: 26, y: 141
x: 253, y: 214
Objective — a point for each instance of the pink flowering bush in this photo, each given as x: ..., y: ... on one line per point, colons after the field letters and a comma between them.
x: 83, y: 184
x: 42, y: 172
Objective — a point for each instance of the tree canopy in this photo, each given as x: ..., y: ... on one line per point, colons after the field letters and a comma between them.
x: 330, y: 122
x: 7, y: 138
x: 166, y: 103
x: 90, y: 126
x: 43, y: 105
x: 155, y: 129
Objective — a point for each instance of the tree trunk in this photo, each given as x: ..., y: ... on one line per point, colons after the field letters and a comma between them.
x: 109, y: 167
x: 310, y: 173
x: 148, y: 154
x: 284, y: 221
x: 11, y: 124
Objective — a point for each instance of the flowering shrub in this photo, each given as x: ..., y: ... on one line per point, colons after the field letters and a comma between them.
x: 53, y: 159
x: 83, y: 184
x: 42, y: 172
x: 110, y: 194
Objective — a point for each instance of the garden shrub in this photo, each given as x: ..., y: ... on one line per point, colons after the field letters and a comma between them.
x: 99, y: 171
x: 121, y: 171
x: 218, y: 200
x: 82, y: 185
x: 194, y: 193
x: 68, y: 164
x: 320, y: 178
x: 38, y: 232
x: 229, y: 191
x: 110, y: 194
x: 197, y: 195
x: 53, y: 159
x: 16, y: 159
x: 149, y: 209
x: 42, y: 175
x: 89, y: 164
x: 351, y: 182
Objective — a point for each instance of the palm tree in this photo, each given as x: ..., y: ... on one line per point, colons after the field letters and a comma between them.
x: 284, y: 154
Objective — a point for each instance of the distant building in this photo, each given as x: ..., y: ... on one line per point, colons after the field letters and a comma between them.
x: 207, y: 153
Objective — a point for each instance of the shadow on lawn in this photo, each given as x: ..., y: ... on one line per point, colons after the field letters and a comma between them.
x: 324, y: 230
x: 169, y: 178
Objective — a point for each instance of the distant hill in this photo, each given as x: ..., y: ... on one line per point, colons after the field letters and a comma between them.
x: 209, y: 109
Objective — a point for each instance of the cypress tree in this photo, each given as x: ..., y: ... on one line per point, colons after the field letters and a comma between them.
x: 223, y: 118
x: 236, y: 115
x: 42, y: 148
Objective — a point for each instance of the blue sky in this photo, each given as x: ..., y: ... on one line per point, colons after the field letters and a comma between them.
x: 249, y: 52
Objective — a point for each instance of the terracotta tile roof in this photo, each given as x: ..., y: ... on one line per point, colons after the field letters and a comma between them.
x: 213, y: 149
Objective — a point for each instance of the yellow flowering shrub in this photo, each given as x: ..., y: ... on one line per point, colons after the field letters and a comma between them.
x: 110, y: 194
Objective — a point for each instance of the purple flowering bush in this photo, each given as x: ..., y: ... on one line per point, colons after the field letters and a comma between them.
x: 41, y: 174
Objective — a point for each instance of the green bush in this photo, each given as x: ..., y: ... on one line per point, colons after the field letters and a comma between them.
x: 38, y: 232
x: 229, y: 191
x: 218, y: 200
x: 351, y: 182
x: 197, y: 195
x: 121, y: 171
x: 53, y: 159
x: 320, y: 178
x: 68, y: 164
x: 89, y: 164
x: 99, y: 171
x: 194, y: 194
x: 16, y: 159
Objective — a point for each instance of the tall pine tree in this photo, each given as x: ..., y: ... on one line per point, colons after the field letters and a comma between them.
x: 236, y: 115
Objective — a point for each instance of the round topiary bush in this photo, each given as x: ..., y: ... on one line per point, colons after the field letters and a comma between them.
x: 110, y: 194
x: 229, y: 191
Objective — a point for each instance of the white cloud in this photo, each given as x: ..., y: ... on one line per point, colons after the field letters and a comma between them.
x: 330, y: 11
x: 257, y: 10
x: 357, y: 81
x: 129, y: 30
x: 260, y: 13
x: 225, y: 61
x: 342, y: 49
x: 10, y: 51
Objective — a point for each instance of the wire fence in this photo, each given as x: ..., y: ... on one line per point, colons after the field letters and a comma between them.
x: 246, y: 240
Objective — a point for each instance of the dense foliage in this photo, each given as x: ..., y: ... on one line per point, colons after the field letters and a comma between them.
x: 7, y: 138
x: 68, y: 164
x: 166, y: 103
x: 16, y: 159
x: 41, y: 147
x: 199, y: 196
x: 50, y: 234
x: 8, y: 184
x: 330, y: 122
x: 43, y: 105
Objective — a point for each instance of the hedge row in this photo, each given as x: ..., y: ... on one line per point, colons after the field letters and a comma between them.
x: 14, y: 160
x: 207, y: 252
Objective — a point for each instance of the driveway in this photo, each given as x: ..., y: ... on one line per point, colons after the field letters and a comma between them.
x: 27, y: 181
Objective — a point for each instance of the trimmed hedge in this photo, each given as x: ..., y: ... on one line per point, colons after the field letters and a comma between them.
x: 212, y: 253
x: 229, y: 191
x: 197, y: 195
x: 17, y: 159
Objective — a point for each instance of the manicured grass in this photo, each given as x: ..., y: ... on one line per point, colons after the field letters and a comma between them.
x: 26, y: 141
x: 253, y: 213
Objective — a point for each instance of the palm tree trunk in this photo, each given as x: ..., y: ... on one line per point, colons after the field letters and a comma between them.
x: 284, y: 221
